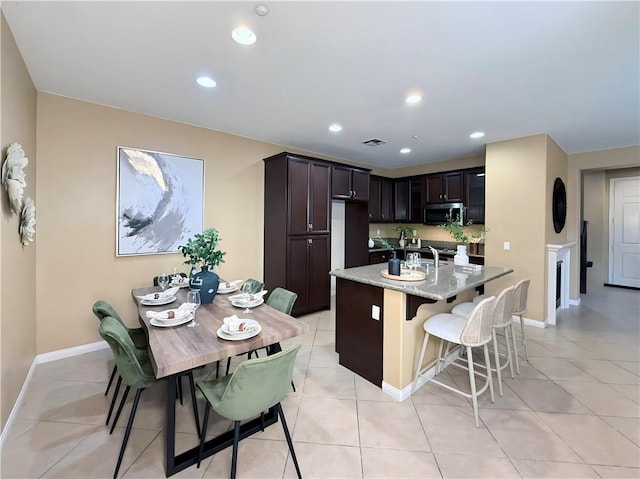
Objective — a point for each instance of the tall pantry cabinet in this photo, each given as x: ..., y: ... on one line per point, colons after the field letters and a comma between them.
x: 297, y: 227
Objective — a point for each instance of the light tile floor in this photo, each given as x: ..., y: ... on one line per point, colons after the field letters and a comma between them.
x: 573, y: 412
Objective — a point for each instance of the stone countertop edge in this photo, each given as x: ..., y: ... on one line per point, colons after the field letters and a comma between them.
x: 441, y: 287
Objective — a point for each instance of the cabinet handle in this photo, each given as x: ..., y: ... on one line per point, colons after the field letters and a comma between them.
x: 309, y: 241
x: 440, y: 196
x: 445, y: 197
x: 353, y: 194
x: 310, y: 227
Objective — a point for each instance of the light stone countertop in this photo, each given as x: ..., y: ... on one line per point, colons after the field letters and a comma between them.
x: 441, y: 283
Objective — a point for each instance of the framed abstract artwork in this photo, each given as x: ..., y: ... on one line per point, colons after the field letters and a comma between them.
x: 160, y: 201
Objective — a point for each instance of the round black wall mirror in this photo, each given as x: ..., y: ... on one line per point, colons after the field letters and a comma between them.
x: 559, y: 205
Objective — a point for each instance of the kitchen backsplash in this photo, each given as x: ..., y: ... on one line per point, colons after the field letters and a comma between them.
x: 424, y: 232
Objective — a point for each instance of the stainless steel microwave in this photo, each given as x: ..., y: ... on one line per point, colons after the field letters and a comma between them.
x: 437, y: 214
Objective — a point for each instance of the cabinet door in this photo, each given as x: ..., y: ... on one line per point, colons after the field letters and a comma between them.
x: 319, y: 261
x: 386, y: 200
x: 433, y: 189
x: 401, y: 200
x: 341, y: 182
x: 298, y: 201
x: 453, y: 186
x: 474, y: 195
x: 360, y: 185
x: 319, y: 198
x: 415, y: 200
x: 375, y: 184
x: 297, y: 271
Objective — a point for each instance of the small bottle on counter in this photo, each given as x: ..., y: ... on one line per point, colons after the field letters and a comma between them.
x: 371, y: 243
x: 394, y: 265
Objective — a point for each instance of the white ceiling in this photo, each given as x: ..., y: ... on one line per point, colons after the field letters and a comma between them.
x: 510, y: 69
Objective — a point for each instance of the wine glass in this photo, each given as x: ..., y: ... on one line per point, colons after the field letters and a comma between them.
x: 193, y: 300
x: 163, y: 280
x: 410, y: 261
x: 248, y: 291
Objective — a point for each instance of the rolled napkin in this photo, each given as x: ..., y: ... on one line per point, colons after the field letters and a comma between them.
x: 169, y: 293
x: 179, y: 280
x: 229, y: 284
x: 248, y: 296
x: 237, y: 325
x: 181, y: 312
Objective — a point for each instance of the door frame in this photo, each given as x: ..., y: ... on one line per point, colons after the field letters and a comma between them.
x: 611, y: 225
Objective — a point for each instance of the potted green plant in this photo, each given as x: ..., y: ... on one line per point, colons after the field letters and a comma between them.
x: 456, y: 229
x: 402, y: 231
x: 201, y: 250
x: 475, y: 239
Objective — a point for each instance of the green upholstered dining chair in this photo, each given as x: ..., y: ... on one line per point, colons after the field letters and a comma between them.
x: 134, y: 366
x: 282, y: 300
x: 255, y: 386
x: 102, y: 309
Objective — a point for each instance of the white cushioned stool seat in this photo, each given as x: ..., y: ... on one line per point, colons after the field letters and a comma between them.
x: 446, y: 326
x: 480, y: 297
x: 464, y: 309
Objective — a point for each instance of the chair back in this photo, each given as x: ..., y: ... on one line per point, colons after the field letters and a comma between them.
x: 253, y: 286
x: 477, y: 331
x: 521, y: 290
x: 102, y: 309
x: 256, y: 385
x: 282, y: 300
x: 133, y: 364
x: 503, y: 307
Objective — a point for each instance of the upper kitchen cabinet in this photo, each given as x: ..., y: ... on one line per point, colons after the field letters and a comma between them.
x: 474, y: 181
x: 407, y: 205
x: 309, y: 192
x: 444, y: 187
x: 380, y: 199
x: 349, y: 183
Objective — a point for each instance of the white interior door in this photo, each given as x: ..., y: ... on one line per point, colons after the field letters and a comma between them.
x: 624, y: 259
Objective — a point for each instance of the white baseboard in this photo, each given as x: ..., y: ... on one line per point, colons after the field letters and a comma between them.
x: 40, y: 359
x: 574, y: 302
x: 529, y: 322
x: 70, y: 352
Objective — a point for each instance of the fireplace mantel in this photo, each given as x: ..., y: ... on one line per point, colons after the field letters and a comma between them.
x: 555, y: 253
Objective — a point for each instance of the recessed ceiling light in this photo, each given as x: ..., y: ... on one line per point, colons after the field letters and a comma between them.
x: 404, y: 151
x: 206, y: 82
x: 477, y: 134
x: 412, y: 99
x: 415, y: 137
x: 261, y: 9
x: 244, y: 36
x: 335, y: 128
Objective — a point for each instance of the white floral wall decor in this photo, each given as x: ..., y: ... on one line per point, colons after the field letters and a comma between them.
x: 27, y: 221
x: 14, y: 177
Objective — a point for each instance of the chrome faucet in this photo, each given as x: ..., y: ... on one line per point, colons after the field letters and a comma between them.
x: 436, y: 257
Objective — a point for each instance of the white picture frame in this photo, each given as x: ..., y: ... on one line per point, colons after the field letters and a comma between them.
x: 160, y: 201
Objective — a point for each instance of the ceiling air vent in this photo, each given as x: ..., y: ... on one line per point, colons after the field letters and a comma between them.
x: 374, y: 142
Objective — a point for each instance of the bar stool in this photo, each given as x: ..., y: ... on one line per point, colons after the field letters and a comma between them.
x: 520, y: 293
x: 470, y: 332
x: 501, y: 321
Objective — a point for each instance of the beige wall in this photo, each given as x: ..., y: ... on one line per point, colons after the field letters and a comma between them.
x: 613, y: 159
x: 595, y: 212
x: 515, y: 212
x: 556, y: 167
x: 17, y: 295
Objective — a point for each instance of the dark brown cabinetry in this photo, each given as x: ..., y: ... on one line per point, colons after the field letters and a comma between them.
x: 407, y: 200
x: 349, y: 183
x: 444, y: 187
x: 308, y: 268
x: 474, y: 195
x: 359, y: 337
x: 297, y: 224
x: 380, y: 199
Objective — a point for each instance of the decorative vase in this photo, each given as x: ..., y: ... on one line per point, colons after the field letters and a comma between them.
x: 371, y: 243
x: 394, y: 265
x: 474, y: 248
x: 461, y: 257
x: 207, y: 282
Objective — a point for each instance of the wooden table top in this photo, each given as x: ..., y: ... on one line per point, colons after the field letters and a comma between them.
x: 181, y: 348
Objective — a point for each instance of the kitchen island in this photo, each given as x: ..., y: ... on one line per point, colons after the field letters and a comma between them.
x: 379, y: 321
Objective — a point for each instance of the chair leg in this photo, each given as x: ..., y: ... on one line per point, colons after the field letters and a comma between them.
x: 419, y: 367
x: 122, y: 401
x: 179, y: 384
x: 293, y: 386
x: 472, y: 382
x: 113, y: 375
x: 234, y: 453
x: 228, y: 366
x: 217, y: 369
x: 113, y: 399
x: 496, y: 355
x: 515, y: 354
x: 509, y: 351
x: 132, y: 415
x: 288, y: 437
x: 439, y: 364
x: 204, y: 432
x: 194, y: 402
x: 524, y: 339
x: 487, y: 362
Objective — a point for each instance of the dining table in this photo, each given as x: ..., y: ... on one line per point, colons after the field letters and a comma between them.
x: 178, y: 349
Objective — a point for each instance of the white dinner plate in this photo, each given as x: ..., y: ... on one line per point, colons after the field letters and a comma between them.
x: 166, y: 323
x: 250, y: 325
x: 231, y: 289
x: 239, y: 303
x: 238, y: 336
x: 157, y: 302
x: 184, y: 284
